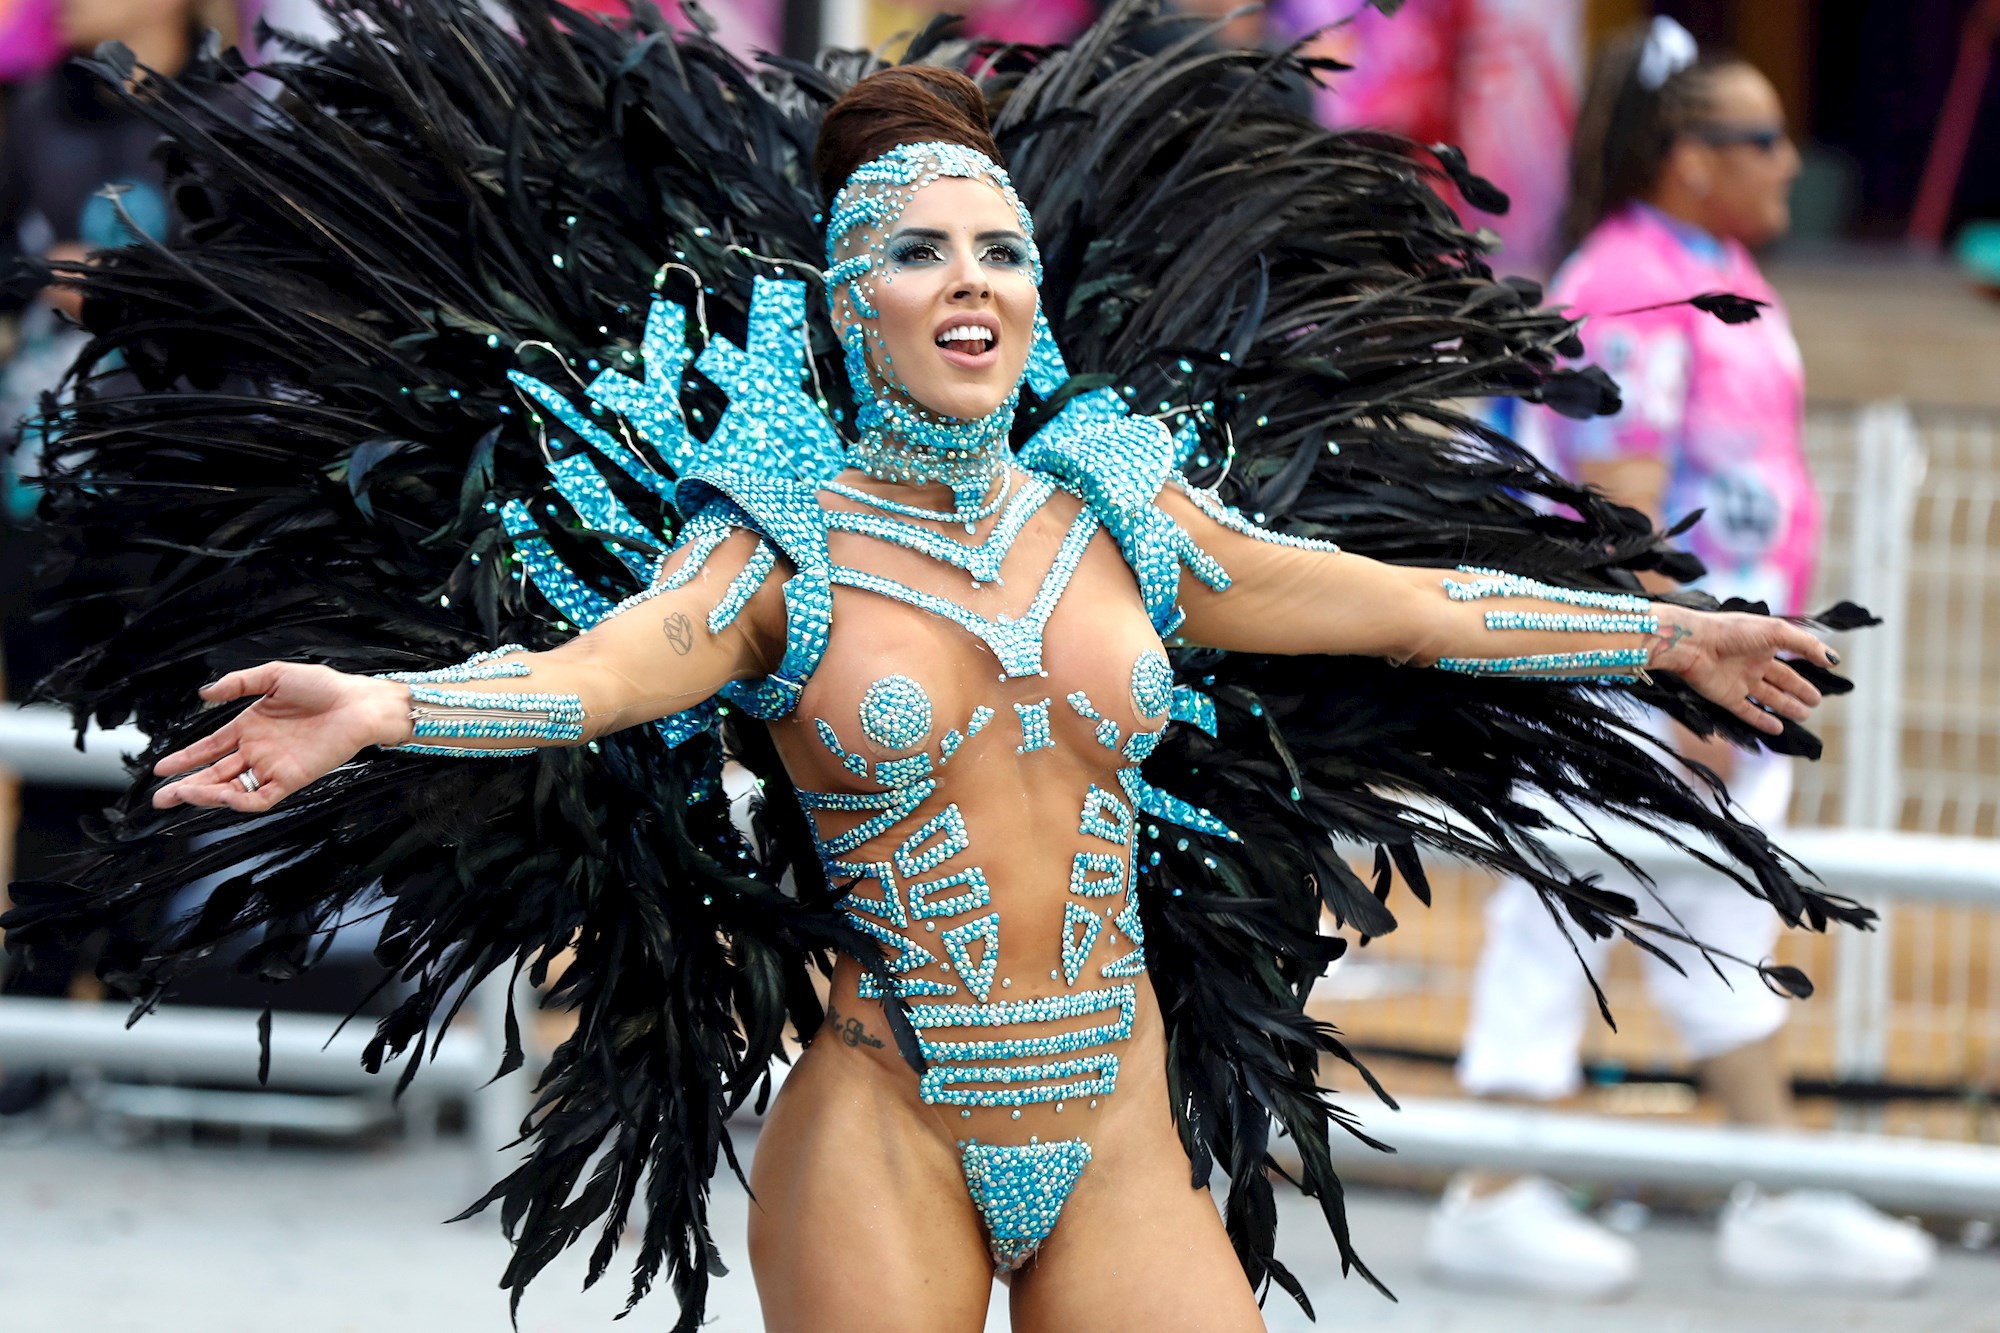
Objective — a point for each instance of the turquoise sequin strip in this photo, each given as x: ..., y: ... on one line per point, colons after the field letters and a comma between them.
x: 1607, y: 664
x: 455, y: 752
x: 970, y: 517
x: 1499, y: 583
x: 1020, y: 1191
x: 981, y: 561
x: 1034, y: 728
x: 741, y: 588
x: 1017, y: 643
x: 466, y: 715
x: 1010, y: 1013
x: 1632, y: 615
x: 1013, y: 1086
x: 1565, y: 623
x: 893, y: 806
x: 479, y: 666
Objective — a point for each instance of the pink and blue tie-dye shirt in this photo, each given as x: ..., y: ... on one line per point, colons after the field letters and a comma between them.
x: 1721, y: 404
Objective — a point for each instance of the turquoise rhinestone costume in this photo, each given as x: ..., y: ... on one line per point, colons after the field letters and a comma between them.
x: 910, y: 865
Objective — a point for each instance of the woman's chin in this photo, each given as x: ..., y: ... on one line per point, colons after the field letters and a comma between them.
x: 961, y: 405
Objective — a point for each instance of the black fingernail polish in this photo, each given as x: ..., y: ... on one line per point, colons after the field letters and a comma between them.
x: 1833, y: 657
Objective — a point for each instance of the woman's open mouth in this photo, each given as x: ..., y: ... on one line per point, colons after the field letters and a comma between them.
x: 969, y: 344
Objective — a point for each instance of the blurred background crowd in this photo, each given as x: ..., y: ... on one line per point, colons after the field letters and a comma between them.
x: 1835, y: 160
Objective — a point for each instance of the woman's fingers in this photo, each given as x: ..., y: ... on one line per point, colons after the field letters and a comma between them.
x: 219, y: 785
x: 1747, y: 710
x: 210, y: 748
x: 1804, y: 643
x: 1773, y: 696
x: 1782, y: 677
x: 204, y: 751
x: 242, y: 684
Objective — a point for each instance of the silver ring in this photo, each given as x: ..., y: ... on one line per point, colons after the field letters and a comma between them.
x: 248, y: 780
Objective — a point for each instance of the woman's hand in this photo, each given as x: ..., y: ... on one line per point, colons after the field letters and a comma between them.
x: 310, y: 721
x: 1733, y: 660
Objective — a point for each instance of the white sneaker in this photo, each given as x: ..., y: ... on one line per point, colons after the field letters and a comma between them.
x: 1526, y: 1238
x: 1819, y: 1238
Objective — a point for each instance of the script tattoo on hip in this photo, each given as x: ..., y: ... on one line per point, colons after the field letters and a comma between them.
x: 680, y: 632
x: 849, y: 1030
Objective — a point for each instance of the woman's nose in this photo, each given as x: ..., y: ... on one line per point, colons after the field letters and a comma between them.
x: 968, y: 280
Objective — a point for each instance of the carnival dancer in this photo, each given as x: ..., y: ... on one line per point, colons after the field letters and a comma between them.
x: 1058, y: 682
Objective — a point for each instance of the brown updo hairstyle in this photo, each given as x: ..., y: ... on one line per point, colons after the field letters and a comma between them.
x: 892, y: 107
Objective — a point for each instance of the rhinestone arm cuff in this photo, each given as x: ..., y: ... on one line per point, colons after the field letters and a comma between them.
x: 478, y: 715
x: 1599, y: 613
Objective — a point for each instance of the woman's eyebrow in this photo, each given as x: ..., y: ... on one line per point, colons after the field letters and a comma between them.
x: 939, y: 234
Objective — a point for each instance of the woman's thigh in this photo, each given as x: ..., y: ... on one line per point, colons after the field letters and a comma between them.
x: 860, y: 1218
x: 1142, y: 1249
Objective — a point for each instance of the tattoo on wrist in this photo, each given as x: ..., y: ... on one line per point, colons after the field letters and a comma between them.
x: 848, y: 1030
x: 1669, y: 638
x: 680, y: 632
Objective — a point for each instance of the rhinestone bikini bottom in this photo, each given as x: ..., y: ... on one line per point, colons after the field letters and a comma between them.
x: 1020, y: 1191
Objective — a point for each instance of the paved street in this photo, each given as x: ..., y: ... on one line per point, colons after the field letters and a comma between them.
x: 100, y: 1238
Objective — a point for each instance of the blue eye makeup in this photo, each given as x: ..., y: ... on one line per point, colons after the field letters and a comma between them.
x: 920, y: 247
x: 913, y: 250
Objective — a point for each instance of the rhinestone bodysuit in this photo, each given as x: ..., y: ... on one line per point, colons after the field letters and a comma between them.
x: 1023, y: 988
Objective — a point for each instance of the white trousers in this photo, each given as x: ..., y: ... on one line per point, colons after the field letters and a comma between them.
x: 1530, y: 998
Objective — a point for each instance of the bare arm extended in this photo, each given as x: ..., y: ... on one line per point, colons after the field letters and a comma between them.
x: 656, y: 657
x: 1295, y: 599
